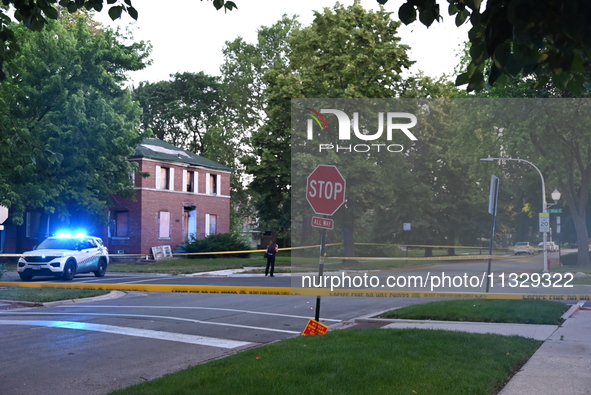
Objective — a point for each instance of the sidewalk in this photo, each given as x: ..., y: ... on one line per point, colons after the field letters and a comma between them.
x: 562, y: 365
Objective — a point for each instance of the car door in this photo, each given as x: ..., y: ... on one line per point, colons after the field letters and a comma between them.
x: 89, y: 256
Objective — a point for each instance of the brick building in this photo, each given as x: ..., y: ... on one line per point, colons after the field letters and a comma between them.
x: 184, y: 195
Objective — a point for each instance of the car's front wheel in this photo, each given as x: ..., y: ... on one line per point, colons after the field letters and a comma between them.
x: 25, y: 276
x: 69, y: 271
x: 102, y: 268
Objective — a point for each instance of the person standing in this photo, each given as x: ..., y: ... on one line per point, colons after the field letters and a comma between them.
x: 272, y: 250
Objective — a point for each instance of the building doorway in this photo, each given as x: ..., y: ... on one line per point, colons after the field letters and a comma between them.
x: 190, y: 222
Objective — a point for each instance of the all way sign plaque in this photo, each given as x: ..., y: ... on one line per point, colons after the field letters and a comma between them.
x: 325, y: 223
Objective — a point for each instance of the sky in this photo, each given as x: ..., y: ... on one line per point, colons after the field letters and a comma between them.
x: 188, y: 35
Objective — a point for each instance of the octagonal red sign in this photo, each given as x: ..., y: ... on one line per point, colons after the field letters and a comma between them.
x: 325, y: 189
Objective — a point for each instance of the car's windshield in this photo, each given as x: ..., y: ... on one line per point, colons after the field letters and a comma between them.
x: 521, y: 244
x: 58, y: 244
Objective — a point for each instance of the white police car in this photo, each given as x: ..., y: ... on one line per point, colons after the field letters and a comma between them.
x: 65, y: 255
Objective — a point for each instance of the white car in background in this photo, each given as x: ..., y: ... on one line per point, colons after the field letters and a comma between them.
x: 64, y: 256
x: 523, y: 247
x: 550, y: 246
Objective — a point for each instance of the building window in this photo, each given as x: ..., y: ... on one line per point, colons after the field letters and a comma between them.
x: 32, y: 225
x: 164, y: 225
x: 211, y: 224
x: 164, y: 178
x: 189, y: 181
x: 121, y: 224
x: 213, y: 184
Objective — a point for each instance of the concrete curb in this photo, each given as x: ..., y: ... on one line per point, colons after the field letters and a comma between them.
x: 573, y: 309
x: 26, y: 304
x: 109, y: 296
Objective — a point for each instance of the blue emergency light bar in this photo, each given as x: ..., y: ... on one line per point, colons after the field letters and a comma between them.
x: 69, y: 235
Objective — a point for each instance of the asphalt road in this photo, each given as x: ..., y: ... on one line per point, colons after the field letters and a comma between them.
x: 508, y: 274
x: 98, y: 346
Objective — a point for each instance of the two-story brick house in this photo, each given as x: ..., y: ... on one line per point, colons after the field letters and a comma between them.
x: 184, y: 195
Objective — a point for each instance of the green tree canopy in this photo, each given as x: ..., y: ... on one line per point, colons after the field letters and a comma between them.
x: 243, y: 87
x: 508, y: 37
x: 189, y: 112
x: 548, y: 38
x: 67, y: 123
x: 182, y: 110
x: 345, y: 52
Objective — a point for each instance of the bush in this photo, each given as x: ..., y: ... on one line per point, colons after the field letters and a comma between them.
x: 217, y: 243
x: 570, y: 259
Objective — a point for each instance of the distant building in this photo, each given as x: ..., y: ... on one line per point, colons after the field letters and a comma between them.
x: 184, y: 195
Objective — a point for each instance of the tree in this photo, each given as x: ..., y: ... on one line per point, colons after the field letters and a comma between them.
x: 67, y: 123
x: 557, y: 131
x: 358, y: 56
x: 547, y: 38
x: 245, y: 80
x: 244, y: 67
x: 181, y: 111
x: 557, y: 144
x: 185, y: 112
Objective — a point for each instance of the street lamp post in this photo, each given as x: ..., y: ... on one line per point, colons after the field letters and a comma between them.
x: 555, y: 196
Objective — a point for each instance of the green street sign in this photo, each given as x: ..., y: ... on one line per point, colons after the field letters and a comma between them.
x: 555, y: 210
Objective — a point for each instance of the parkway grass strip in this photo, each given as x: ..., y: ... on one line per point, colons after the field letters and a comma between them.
x: 375, y: 361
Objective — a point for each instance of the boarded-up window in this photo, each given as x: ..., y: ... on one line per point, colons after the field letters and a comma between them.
x: 164, y: 178
x: 32, y: 225
x: 121, y: 224
x: 211, y: 224
x: 212, y: 183
x: 164, y: 225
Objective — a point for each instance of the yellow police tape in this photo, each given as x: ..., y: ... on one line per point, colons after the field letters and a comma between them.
x: 423, y: 258
x: 458, y: 257
x: 340, y: 292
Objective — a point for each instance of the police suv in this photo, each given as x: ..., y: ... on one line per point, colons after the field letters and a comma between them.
x: 63, y: 256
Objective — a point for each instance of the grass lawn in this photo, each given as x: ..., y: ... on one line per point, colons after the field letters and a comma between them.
x: 510, y: 311
x: 285, y: 263
x: 573, y: 270
x: 187, y: 266
x: 367, y: 361
x: 42, y: 295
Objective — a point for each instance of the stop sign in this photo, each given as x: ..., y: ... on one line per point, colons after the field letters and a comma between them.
x: 325, y: 190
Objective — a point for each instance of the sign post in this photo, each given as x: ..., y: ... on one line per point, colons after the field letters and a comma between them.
x: 559, y: 238
x: 325, y: 191
x: 493, y: 199
x: 406, y: 228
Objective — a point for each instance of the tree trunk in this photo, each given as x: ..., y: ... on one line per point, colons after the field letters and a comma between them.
x: 349, y: 245
x: 582, y: 239
x: 578, y: 210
